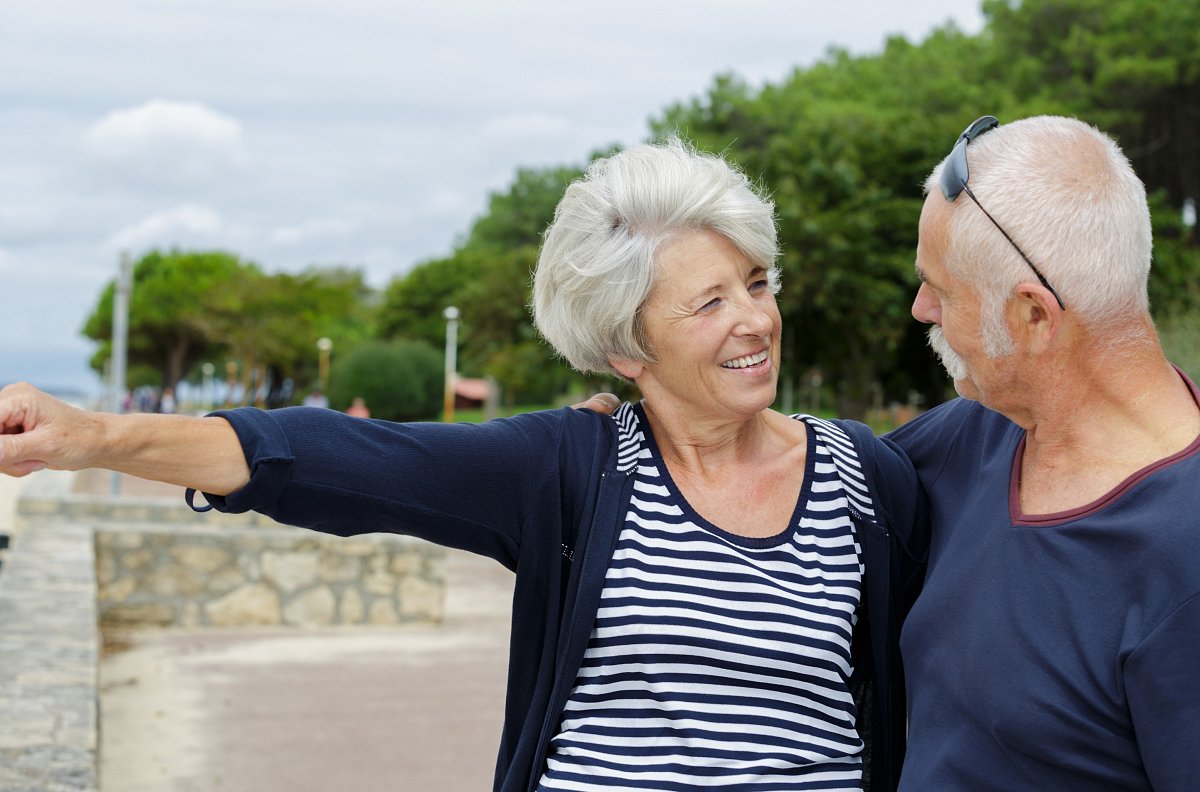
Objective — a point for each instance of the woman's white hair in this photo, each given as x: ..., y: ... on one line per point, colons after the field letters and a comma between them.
x: 1068, y: 196
x: 597, y: 264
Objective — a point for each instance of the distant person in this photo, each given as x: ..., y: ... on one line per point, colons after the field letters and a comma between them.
x: 1056, y: 644
x: 709, y: 593
x: 358, y: 408
x: 166, y: 404
x: 316, y: 399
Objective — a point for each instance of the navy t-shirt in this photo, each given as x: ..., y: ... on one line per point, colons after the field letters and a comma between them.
x: 1055, y: 652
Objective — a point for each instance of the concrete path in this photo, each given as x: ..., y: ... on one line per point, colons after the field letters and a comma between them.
x: 333, y: 710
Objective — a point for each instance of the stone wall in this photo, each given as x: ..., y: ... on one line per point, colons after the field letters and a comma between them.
x: 49, y: 649
x: 78, y: 561
x: 233, y: 576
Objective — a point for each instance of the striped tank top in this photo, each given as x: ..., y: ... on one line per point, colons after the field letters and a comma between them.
x: 719, y: 661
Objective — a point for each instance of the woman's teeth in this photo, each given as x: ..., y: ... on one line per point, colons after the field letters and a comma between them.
x: 746, y: 361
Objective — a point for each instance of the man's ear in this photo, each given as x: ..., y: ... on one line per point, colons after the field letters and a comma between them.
x: 1038, y: 315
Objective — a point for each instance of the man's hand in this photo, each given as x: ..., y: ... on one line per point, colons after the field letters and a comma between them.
x: 603, y: 403
x: 38, y: 431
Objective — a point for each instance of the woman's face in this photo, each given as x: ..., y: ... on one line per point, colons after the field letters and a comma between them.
x: 714, y: 327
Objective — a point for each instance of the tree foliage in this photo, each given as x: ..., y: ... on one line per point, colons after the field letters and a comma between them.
x: 190, y: 307
x: 842, y: 146
x: 399, y: 380
x: 172, y: 310
x: 488, y: 278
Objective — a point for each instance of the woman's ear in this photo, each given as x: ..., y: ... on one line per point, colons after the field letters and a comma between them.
x: 629, y: 369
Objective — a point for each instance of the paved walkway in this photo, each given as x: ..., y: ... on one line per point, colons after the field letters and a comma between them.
x: 346, y: 709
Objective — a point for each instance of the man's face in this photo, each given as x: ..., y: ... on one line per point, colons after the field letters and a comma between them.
x: 949, y: 305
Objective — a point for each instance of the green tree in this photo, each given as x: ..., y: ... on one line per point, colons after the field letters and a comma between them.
x: 270, y: 324
x: 171, y: 312
x: 413, y: 303
x: 488, y: 277
x: 399, y: 380
x: 519, y: 216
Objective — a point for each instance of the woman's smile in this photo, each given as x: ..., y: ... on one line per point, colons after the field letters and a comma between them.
x: 747, y: 361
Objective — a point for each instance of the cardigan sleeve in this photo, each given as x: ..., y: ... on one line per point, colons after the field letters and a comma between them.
x: 470, y: 486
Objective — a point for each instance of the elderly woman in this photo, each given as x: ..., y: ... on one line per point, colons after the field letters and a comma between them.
x: 708, y: 593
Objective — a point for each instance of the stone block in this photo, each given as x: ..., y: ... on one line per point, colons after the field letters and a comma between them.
x: 289, y: 571
x: 137, y: 560
x: 421, y: 599
x: 405, y: 563
x: 359, y: 547
x: 118, y: 590
x: 380, y: 583
x: 351, y: 609
x: 175, y: 582
x: 224, y: 581
x: 123, y: 539
x: 336, y: 568
x: 382, y: 612
x: 134, y: 614
x: 205, y: 558
x: 251, y: 604
x: 312, y: 608
x: 249, y: 566
x: 106, y: 567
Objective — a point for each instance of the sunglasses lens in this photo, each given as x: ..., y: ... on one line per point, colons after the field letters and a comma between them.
x: 954, y: 174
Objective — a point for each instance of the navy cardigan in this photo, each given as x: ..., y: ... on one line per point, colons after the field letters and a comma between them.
x: 543, y: 494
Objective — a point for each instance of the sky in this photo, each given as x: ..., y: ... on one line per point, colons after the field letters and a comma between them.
x: 366, y: 133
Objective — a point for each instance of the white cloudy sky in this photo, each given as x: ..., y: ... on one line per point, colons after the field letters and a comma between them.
x: 364, y: 132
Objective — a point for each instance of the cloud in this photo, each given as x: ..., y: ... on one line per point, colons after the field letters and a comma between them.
x: 167, y: 142
x: 5, y: 261
x: 515, y: 126
x: 313, y: 229
x: 169, y: 226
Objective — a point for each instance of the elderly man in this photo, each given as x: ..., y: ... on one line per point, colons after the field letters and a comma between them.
x: 1056, y: 644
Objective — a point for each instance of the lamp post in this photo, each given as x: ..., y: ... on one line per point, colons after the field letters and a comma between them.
x: 324, y: 347
x: 451, y: 314
x: 120, y: 338
x: 120, y: 345
x: 208, y: 369
x: 231, y: 368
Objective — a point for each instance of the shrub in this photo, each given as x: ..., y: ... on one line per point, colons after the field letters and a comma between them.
x: 399, y: 380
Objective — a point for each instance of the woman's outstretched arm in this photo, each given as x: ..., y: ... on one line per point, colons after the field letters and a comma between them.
x: 38, y: 431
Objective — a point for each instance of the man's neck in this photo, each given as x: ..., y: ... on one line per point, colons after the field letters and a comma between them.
x: 1104, y: 420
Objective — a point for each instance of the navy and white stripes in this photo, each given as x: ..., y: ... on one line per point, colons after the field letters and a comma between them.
x: 719, y: 661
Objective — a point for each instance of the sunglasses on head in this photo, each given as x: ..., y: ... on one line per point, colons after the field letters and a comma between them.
x: 954, y: 182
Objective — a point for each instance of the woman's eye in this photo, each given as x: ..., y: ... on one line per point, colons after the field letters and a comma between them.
x: 713, y: 303
x: 759, y: 285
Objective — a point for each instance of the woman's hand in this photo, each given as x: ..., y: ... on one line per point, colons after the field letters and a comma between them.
x: 38, y: 431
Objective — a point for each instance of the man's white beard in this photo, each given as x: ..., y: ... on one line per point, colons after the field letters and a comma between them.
x: 953, y: 364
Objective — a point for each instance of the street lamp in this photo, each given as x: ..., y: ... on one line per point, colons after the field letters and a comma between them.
x: 324, y: 347
x: 208, y: 369
x: 451, y: 314
x: 231, y: 369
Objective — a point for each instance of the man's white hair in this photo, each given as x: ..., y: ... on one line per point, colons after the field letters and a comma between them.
x: 1068, y: 196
